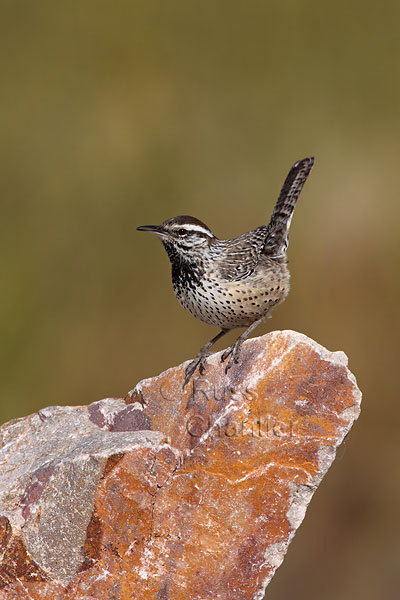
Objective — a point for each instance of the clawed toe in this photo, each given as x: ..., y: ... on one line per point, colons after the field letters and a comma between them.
x: 199, y: 361
x: 233, y: 352
x: 230, y: 363
x: 225, y: 355
x: 190, y: 369
x: 202, y: 366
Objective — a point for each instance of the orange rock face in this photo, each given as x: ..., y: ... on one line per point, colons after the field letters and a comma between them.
x: 171, y: 493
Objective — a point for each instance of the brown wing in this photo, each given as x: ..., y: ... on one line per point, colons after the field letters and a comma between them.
x: 237, y: 258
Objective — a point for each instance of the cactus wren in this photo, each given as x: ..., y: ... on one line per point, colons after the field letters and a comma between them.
x: 232, y: 283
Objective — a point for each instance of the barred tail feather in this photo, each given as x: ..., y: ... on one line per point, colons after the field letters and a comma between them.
x: 277, y: 237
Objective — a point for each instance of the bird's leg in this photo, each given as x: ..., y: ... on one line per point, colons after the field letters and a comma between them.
x: 234, y: 350
x: 200, y: 359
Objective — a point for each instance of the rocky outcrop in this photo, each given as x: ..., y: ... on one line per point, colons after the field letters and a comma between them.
x: 173, y: 493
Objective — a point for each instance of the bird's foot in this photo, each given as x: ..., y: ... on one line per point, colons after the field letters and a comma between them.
x: 199, y: 361
x: 234, y: 353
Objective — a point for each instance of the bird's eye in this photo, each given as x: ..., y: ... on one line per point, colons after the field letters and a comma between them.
x: 182, y: 231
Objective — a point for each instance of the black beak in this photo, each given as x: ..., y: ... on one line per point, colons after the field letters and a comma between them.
x: 152, y: 228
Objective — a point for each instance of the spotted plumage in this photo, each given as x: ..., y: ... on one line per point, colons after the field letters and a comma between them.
x: 236, y: 282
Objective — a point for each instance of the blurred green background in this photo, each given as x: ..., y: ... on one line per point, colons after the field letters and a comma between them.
x: 119, y: 114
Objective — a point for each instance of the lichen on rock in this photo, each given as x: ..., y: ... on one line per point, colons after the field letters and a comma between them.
x: 173, y: 492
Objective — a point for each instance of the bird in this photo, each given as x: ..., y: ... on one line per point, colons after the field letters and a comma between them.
x: 236, y: 282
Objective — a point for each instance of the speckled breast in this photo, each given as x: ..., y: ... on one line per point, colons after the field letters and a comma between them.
x: 231, y: 304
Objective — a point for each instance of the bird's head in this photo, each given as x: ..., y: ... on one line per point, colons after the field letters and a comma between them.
x: 185, y: 238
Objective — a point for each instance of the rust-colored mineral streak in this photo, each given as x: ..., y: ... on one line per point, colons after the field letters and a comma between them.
x: 171, y: 493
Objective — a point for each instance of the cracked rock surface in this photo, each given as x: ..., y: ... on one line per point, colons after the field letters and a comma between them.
x: 172, y: 493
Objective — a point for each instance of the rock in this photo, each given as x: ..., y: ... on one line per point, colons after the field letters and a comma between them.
x: 172, y: 493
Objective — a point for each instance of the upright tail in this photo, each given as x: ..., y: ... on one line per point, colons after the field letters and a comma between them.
x: 277, y: 240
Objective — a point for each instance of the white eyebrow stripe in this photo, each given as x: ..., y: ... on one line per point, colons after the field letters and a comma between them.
x: 190, y: 227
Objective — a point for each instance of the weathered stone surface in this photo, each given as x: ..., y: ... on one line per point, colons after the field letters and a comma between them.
x: 173, y: 494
